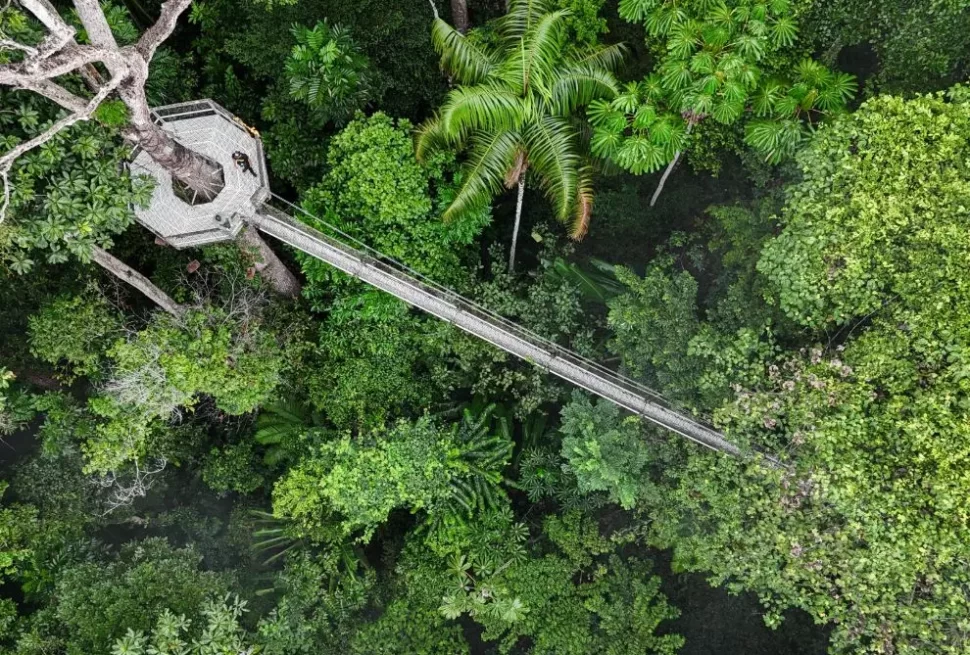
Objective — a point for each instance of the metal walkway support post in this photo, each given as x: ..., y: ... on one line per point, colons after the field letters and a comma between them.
x: 371, y: 267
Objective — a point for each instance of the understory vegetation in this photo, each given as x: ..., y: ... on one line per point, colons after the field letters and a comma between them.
x: 759, y: 209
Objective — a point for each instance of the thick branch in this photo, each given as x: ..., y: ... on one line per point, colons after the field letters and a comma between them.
x: 127, y: 274
x: 691, y: 122
x: 459, y: 15
x: 57, y: 93
x: 268, y: 263
x: 155, y: 35
x: 44, y: 11
x: 95, y: 24
x: 60, y: 33
x: 663, y: 178
x: 68, y: 60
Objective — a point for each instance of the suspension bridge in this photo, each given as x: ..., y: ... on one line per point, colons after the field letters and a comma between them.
x: 210, y: 128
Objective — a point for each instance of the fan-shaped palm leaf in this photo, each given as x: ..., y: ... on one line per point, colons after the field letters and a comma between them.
x: 605, y: 141
x: 634, y: 11
x: 783, y: 32
x: 638, y: 154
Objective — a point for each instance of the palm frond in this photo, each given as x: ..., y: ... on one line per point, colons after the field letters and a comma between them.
x: 483, y: 174
x: 584, y: 207
x: 521, y: 17
x: 551, y: 143
x: 579, y: 86
x: 534, y: 62
x: 429, y: 137
x: 605, y: 57
x: 465, y: 61
x: 281, y: 420
x: 280, y: 425
x: 482, y: 107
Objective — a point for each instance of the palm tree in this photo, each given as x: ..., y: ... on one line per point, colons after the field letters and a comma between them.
x: 512, y: 109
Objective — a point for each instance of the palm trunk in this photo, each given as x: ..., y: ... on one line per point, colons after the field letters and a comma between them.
x: 671, y: 166
x: 663, y: 178
x: 130, y: 276
x: 269, y: 265
x: 459, y: 15
x: 518, y: 219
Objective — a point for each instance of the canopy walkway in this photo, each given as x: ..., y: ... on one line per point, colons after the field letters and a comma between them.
x: 215, y: 133
x: 370, y: 266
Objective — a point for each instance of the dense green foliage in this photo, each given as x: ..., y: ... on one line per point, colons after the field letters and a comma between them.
x: 722, y: 60
x: 339, y: 473
x: 327, y: 71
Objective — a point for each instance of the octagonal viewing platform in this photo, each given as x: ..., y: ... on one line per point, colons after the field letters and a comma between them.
x: 207, y: 128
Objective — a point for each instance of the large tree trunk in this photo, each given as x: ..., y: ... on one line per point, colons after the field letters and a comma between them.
x: 192, y: 169
x: 269, y: 265
x: 459, y: 15
x: 518, y: 220
x: 202, y: 176
x: 195, y: 171
x: 130, y: 276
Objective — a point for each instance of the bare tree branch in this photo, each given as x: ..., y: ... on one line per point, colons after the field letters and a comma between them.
x: 8, y: 159
x: 61, y: 33
x: 155, y: 35
x: 95, y: 23
x: 128, y: 487
x: 69, y: 59
x: 57, y: 93
x: 45, y: 12
x: 8, y: 44
x: 124, y: 272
